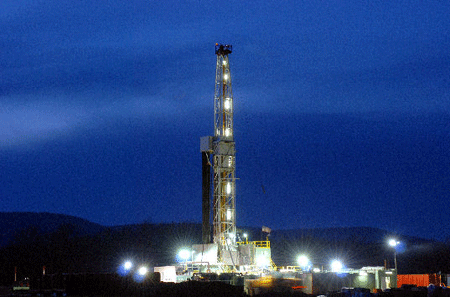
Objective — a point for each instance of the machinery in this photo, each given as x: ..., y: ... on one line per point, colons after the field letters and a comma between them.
x: 224, y: 211
x: 219, y: 154
x: 218, y: 151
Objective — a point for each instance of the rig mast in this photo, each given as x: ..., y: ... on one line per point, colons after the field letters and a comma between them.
x: 224, y: 194
x: 224, y: 252
x: 220, y: 149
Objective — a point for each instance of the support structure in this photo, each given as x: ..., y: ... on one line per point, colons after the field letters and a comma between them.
x: 206, y: 150
x: 224, y: 190
x: 219, y: 152
x: 223, y: 253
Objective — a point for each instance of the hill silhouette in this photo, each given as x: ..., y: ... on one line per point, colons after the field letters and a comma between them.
x: 12, y: 223
x: 65, y: 244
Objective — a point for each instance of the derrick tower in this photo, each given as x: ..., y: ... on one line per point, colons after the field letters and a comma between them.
x: 224, y: 214
x: 220, y: 149
x: 224, y: 252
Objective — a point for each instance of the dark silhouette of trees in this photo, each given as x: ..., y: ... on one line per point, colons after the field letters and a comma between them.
x: 67, y: 250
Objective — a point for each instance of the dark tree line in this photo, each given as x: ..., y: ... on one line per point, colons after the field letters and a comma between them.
x: 67, y: 251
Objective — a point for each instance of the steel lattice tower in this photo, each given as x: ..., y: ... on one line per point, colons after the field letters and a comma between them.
x: 224, y: 207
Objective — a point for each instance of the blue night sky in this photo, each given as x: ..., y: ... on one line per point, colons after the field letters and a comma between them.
x: 342, y: 110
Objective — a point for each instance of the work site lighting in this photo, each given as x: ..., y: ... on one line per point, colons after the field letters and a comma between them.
x: 184, y: 254
x: 336, y: 266
x: 303, y: 262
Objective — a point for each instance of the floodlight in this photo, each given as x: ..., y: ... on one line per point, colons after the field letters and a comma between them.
x: 125, y: 268
x: 303, y: 261
x: 143, y: 270
x: 184, y: 254
x: 127, y: 265
x: 393, y: 242
x: 140, y: 274
x: 336, y: 266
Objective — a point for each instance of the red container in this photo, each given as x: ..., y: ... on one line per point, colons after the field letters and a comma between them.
x: 420, y: 280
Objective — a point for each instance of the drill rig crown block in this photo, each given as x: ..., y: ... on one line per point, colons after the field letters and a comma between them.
x: 223, y: 49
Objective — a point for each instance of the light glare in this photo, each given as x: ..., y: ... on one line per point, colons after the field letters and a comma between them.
x: 227, y: 104
x: 143, y: 271
x: 184, y: 254
x: 303, y: 261
x: 393, y: 242
x: 336, y: 266
x: 229, y: 188
x: 229, y: 216
x: 262, y: 261
x: 128, y: 265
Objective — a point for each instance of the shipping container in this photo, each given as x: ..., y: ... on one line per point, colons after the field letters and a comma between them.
x: 420, y: 280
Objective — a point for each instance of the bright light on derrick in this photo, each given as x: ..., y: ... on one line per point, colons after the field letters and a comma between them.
x: 229, y: 216
x: 228, y: 188
x: 227, y: 104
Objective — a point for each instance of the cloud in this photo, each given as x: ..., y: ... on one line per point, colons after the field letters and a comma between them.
x: 27, y: 122
x: 37, y: 121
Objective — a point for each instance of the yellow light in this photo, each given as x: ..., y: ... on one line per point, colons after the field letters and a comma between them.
x: 227, y: 132
x: 229, y: 188
x: 225, y: 76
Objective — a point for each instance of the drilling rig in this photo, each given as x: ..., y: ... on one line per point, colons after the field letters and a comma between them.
x: 219, y: 154
x: 218, y: 151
